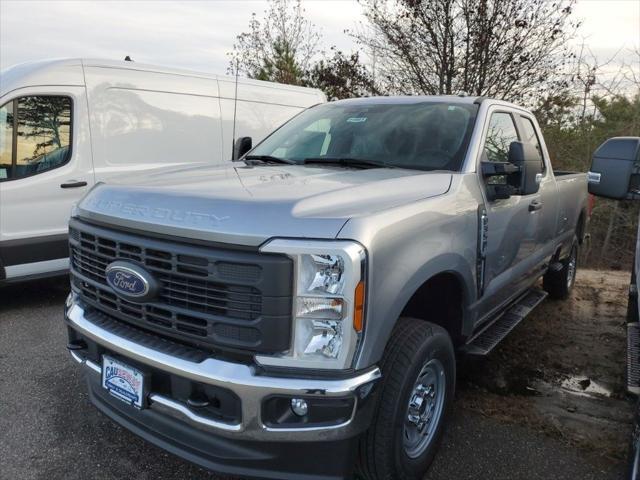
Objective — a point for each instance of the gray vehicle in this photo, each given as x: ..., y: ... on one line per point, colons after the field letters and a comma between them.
x: 297, y: 313
x: 615, y: 174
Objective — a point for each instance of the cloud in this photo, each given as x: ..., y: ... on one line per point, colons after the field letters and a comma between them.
x: 195, y: 35
x: 198, y: 34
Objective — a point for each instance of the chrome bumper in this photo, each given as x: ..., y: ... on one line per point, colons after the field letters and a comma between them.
x: 239, y: 378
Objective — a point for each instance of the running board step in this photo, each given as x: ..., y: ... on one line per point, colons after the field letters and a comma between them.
x: 491, y: 336
x: 633, y: 358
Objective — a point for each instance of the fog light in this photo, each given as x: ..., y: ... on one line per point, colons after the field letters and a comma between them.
x: 70, y: 299
x: 299, y: 406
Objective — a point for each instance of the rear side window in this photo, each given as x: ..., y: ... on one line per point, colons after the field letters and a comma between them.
x: 501, y: 132
x: 35, y: 135
x: 530, y: 136
x: 6, y: 140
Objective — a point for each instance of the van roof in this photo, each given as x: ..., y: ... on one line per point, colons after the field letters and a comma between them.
x: 68, y: 71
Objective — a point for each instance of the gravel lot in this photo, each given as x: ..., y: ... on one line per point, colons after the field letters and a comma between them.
x: 48, y: 429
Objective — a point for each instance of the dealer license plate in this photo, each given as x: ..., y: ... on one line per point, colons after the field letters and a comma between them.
x: 122, y: 381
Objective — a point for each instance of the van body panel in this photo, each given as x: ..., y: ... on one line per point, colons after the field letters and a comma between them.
x: 142, y: 121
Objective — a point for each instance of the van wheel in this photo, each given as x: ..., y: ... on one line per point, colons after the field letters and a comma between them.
x: 416, y: 393
x: 560, y: 282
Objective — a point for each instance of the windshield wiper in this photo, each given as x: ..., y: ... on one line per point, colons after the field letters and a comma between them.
x: 251, y: 159
x: 348, y: 162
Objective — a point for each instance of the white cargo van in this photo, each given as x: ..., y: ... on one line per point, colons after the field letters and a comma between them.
x: 67, y: 124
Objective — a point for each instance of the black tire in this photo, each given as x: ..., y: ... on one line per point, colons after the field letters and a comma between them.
x: 414, y: 345
x: 559, y: 283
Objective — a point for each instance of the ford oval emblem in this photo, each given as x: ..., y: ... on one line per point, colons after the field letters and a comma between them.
x: 130, y: 281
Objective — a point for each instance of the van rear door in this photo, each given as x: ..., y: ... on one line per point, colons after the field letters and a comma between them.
x: 45, y: 167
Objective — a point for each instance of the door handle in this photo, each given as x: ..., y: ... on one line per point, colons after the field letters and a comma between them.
x: 535, y: 205
x: 73, y: 184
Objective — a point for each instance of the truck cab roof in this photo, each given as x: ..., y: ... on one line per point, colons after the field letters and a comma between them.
x: 413, y: 99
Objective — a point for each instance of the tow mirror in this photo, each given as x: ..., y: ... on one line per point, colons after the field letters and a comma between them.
x: 500, y: 178
x: 615, y: 168
x: 526, y: 157
x: 242, y: 146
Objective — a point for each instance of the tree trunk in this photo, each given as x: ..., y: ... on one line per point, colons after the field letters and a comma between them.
x: 607, y: 239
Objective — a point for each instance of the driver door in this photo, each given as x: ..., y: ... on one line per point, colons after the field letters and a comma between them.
x: 45, y: 167
x: 512, y: 224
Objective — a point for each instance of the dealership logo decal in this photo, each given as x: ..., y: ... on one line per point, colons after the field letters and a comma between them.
x: 122, y: 383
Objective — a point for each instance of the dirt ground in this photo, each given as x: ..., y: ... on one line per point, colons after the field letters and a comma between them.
x: 562, y: 370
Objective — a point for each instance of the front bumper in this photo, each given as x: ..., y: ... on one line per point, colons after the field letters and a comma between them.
x: 246, y: 446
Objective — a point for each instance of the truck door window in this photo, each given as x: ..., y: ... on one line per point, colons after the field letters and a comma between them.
x: 6, y: 140
x: 41, y: 134
x: 500, y: 133
x: 530, y: 136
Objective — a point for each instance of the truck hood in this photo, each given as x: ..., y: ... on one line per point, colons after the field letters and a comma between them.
x: 246, y: 205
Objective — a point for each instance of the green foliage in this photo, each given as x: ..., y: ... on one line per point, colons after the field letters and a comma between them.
x: 342, y: 76
x: 571, y: 139
x: 619, y: 115
x: 283, y: 47
x: 282, y: 67
x: 280, y: 47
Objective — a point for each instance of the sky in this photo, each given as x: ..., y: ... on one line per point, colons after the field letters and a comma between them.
x: 198, y: 34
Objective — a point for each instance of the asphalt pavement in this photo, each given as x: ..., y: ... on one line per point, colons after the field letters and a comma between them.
x: 49, y: 430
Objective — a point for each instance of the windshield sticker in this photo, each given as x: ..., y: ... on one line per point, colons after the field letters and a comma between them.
x: 357, y: 119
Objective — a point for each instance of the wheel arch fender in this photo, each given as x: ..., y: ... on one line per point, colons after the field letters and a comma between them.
x: 382, y: 318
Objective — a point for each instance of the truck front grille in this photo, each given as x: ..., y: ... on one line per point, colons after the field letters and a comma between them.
x: 212, y: 296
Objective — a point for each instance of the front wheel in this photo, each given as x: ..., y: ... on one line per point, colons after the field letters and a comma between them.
x: 559, y: 283
x: 416, y: 394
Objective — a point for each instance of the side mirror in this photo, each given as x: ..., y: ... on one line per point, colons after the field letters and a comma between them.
x: 504, y: 172
x: 526, y: 157
x: 615, y: 168
x: 242, y: 146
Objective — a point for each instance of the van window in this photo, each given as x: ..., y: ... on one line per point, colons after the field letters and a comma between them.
x: 6, y: 140
x: 42, y: 135
x: 530, y: 136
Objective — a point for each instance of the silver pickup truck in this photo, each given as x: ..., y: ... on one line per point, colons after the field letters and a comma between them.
x: 297, y: 313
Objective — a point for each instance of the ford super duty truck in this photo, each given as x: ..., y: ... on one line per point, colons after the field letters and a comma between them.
x: 297, y: 313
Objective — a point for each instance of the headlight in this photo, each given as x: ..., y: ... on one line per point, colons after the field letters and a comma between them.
x: 328, y: 305
x: 322, y: 273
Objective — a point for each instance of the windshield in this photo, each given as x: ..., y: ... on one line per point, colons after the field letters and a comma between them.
x: 424, y: 136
